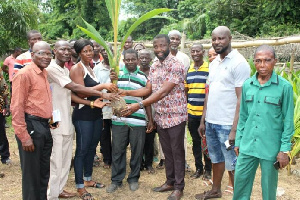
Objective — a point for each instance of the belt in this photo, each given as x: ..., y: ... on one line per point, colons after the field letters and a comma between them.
x: 33, y: 117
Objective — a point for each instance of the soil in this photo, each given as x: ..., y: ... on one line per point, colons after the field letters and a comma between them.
x: 10, y: 184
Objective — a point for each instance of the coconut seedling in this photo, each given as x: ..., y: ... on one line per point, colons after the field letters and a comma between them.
x: 113, y: 7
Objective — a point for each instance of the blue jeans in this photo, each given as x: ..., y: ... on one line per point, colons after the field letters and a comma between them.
x: 87, y: 138
x: 216, y: 135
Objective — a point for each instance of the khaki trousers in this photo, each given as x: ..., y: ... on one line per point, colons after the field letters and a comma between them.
x: 60, y: 162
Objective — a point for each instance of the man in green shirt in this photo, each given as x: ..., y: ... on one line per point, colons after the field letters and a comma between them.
x: 265, y: 127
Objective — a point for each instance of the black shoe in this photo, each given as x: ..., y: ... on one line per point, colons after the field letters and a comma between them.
x: 197, y: 174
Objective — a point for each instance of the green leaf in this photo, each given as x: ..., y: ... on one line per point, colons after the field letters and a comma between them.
x: 92, y: 33
x: 109, y: 6
x: 143, y: 18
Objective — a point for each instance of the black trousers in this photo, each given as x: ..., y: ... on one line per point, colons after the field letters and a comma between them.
x: 193, y: 125
x: 36, y: 165
x: 4, y: 145
x: 105, y: 141
x: 121, y: 135
x: 172, y: 143
x: 149, y: 149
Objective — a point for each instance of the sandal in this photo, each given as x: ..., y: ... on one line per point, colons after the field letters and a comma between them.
x: 95, y: 185
x: 229, y: 190
x: 86, y: 196
x: 208, y: 195
x: 207, y: 182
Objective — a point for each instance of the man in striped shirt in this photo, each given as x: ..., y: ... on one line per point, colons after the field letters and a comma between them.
x: 195, y: 90
x: 24, y: 59
x: 130, y: 129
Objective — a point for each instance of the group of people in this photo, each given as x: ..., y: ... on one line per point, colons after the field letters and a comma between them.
x: 236, y: 121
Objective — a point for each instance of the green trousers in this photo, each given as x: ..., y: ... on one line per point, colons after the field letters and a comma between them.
x: 244, y: 175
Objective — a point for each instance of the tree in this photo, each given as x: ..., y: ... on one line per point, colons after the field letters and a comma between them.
x: 64, y: 15
x: 152, y: 27
x: 199, y: 17
x: 16, y: 19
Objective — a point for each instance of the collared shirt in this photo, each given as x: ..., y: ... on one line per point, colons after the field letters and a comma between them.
x: 224, y: 76
x: 171, y: 110
x: 58, y: 78
x: 10, y: 62
x: 131, y: 81
x: 21, y: 61
x: 266, y: 122
x: 69, y: 64
x: 102, y: 73
x: 195, y: 82
x: 32, y: 95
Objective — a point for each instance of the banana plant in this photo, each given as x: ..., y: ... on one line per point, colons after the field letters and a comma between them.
x: 296, y: 137
x: 113, y: 7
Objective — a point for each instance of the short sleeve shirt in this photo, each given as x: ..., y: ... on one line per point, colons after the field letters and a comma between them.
x: 58, y: 78
x: 131, y: 81
x: 22, y: 60
x: 171, y: 110
x: 224, y: 76
x: 195, y: 82
x: 10, y: 62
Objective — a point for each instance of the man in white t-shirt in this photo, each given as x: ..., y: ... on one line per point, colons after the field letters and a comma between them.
x: 227, y: 74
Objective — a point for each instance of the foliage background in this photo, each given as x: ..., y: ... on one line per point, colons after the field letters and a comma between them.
x: 197, y: 18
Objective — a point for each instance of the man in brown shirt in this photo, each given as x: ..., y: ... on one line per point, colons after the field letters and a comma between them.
x: 31, y: 107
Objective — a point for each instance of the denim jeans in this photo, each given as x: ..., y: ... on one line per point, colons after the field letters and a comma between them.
x: 216, y: 135
x: 87, y: 138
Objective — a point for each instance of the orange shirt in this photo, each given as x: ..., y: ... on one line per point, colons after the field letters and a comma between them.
x: 31, y: 95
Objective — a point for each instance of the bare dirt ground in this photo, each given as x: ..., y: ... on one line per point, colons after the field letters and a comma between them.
x: 10, y: 185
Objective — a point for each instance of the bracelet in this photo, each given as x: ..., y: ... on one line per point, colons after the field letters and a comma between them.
x: 92, y: 104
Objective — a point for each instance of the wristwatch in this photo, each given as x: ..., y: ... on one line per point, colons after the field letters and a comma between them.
x: 141, y: 104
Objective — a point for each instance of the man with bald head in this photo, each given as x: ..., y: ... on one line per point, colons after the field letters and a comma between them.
x: 31, y: 107
x: 265, y: 127
x: 227, y: 74
x: 62, y: 87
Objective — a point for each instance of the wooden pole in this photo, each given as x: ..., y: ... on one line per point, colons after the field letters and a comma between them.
x: 253, y: 43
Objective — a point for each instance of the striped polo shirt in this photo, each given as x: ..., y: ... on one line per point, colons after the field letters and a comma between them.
x: 22, y: 60
x: 195, y: 82
x: 131, y: 81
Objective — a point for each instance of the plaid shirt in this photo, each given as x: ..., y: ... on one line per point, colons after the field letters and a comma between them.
x: 171, y: 110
